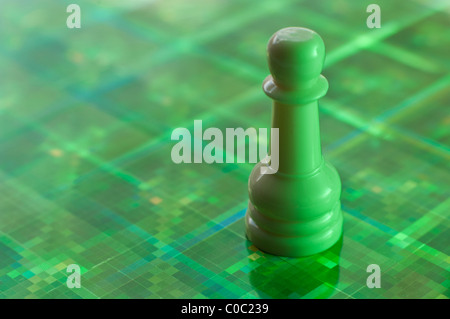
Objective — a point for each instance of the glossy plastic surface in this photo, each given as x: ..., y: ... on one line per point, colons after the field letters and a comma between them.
x: 296, y: 211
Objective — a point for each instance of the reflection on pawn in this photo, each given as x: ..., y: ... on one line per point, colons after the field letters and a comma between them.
x: 296, y: 211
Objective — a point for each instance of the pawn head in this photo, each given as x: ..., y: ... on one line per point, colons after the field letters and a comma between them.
x: 295, y: 57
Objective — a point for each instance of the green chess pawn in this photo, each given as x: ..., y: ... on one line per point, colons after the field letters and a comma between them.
x: 296, y: 211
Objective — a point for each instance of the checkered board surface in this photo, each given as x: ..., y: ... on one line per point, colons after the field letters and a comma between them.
x: 86, y: 176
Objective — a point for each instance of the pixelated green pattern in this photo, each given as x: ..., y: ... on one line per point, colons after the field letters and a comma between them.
x: 86, y: 177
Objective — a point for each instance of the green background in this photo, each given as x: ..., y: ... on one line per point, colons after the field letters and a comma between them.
x: 86, y: 176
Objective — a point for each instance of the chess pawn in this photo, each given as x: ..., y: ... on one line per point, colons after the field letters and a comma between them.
x: 296, y: 211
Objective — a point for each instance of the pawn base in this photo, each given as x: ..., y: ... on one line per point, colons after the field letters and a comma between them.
x: 304, y: 244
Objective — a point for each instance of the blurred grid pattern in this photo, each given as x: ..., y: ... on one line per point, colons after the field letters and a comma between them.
x: 85, y: 172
